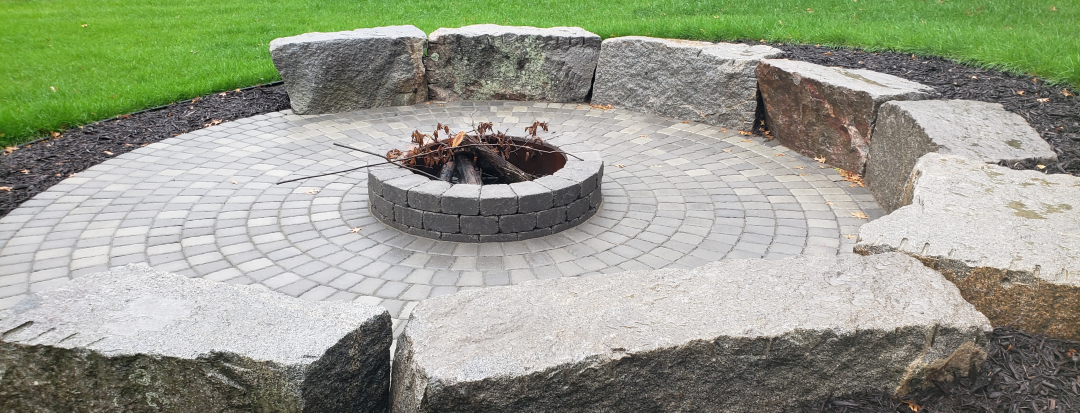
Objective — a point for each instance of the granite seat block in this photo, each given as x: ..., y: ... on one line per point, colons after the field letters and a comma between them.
x: 488, y: 61
x: 1006, y: 238
x: 828, y: 112
x: 713, y: 83
x: 788, y: 332
x: 133, y: 339
x: 907, y: 130
x: 344, y: 71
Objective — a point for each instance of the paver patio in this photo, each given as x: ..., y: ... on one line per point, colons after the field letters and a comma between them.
x: 205, y: 204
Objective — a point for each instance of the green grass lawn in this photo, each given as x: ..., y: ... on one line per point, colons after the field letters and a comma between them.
x: 71, y: 62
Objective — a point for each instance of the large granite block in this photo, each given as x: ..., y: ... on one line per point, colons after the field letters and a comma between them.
x: 907, y: 130
x: 828, y: 112
x: 343, y: 71
x: 714, y: 83
x: 1008, y: 239
x: 491, y: 62
x: 736, y: 336
x: 135, y: 339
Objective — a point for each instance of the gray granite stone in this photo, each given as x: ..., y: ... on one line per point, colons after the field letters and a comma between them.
x: 488, y: 61
x: 907, y: 130
x: 828, y: 111
x: 877, y: 324
x: 714, y: 83
x: 1005, y: 237
x: 130, y: 337
x: 343, y: 71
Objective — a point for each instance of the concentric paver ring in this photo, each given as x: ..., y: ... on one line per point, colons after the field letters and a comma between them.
x: 205, y: 204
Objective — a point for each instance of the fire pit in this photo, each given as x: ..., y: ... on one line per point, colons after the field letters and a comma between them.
x: 425, y: 199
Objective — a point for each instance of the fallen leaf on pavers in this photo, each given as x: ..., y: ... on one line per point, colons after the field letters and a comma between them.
x: 602, y: 107
x: 355, y: 230
x: 859, y: 215
x: 822, y: 166
x: 802, y: 174
x: 851, y: 177
x: 779, y: 154
x: 655, y: 166
x: 820, y: 159
x: 643, y: 136
x: 723, y: 130
x: 312, y: 191
x: 9, y: 149
x: 742, y: 132
x: 108, y: 153
x: 5, y: 188
x: 828, y: 202
x: 685, y: 121
x: 800, y: 167
x: 849, y: 236
x: 212, y: 123
x: 619, y: 165
x: 747, y: 140
x: 726, y: 150
x: 1043, y: 100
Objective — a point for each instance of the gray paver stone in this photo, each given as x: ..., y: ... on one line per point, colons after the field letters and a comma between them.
x: 488, y: 61
x: 564, y: 191
x: 714, y: 83
x: 907, y: 130
x: 577, y: 209
x: 827, y: 111
x: 517, y: 222
x: 408, y: 217
x: 441, y: 222
x: 550, y: 217
x: 343, y: 71
x: 459, y: 237
x: 428, y: 196
x: 1006, y: 238
x: 621, y: 343
x: 397, y: 190
x: 497, y: 200
x: 130, y: 336
x: 532, y: 197
x: 461, y: 199
x: 479, y: 225
x: 382, y: 207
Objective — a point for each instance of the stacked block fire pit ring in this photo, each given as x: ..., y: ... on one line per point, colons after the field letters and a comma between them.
x: 440, y: 210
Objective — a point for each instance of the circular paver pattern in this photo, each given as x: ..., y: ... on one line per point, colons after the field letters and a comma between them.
x: 206, y: 204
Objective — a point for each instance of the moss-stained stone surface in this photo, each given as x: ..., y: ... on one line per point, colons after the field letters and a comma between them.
x: 1008, y: 239
x: 487, y: 61
x: 134, y: 339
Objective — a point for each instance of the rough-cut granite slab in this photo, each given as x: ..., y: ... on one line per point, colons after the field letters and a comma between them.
x: 714, y: 83
x: 343, y: 71
x: 907, y: 130
x: 828, y: 111
x: 1010, y: 240
x: 736, y: 336
x: 487, y: 61
x: 135, y: 339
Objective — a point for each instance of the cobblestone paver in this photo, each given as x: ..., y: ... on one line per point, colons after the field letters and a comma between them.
x: 206, y: 204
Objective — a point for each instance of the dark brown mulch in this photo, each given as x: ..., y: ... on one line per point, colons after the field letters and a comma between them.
x: 1057, y: 119
x: 35, y: 167
x: 1023, y: 373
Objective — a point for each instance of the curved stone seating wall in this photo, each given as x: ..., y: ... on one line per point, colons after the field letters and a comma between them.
x: 735, y: 336
x: 489, y: 213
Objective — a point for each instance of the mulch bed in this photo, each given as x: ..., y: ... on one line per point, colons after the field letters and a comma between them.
x: 33, y: 168
x: 1023, y: 373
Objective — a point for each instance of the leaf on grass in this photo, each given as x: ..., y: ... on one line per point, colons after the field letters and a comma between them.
x: 52, y: 88
x: 859, y: 215
x: 9, y: 149
x: 457, y: 139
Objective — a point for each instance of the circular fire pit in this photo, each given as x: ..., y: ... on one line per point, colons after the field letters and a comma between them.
x: 418, y: 205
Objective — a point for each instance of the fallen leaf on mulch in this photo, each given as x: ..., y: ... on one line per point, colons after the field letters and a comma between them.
x: 213, y: 122
x: 108, y: 153
x: 820, y: 159
x: 5, y: 188
x: 8, y: 150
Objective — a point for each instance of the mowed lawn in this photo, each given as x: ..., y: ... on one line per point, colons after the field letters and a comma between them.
x: 69, y: 62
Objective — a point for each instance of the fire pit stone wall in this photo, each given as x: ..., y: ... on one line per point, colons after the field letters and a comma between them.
x: 489, y: 213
